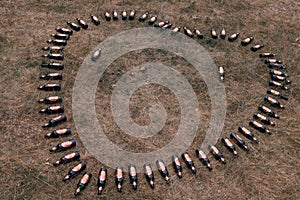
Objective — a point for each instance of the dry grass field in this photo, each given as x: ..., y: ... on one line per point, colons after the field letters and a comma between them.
x: 271, y: 170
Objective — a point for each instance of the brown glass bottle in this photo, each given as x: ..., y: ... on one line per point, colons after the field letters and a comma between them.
x: 278, y: 73
x: 256, y: 47
x: 82, y: 23
x: 275, y: 65
x: 152, y: 20
x: 53, y: 65
x: 107, y: 16
x: 149, y: 175
x: 133, y: 176
x: 54, y: 56
x: 58, y: 42
x: 161, y: 24
x: 95, y: 20
x: 143, y: 17
x: 276, y: 93
x: 163, y: 170
x: 131, y: 15
x: 272, y: 60
x: 58, y: 133
x: 102, y: 176
x: 54, y: 49
x: 124, y: 15
x: 247, y: 41
x: 273, y: 102
x: 189, y: 162
x: 266, y: 55
x: 50, y: 87
x: 268, y: 111
x: 247, y: 133
x: 198, y: 33
x: 53, y: 110
x: 280, y: 78
x: 177, y: 165
x: 233, y: 37
x: 74, y: 26
x: 203, y: 158
x: 52, y: 76
x: 216, y: 153
x: 51, y: 100
x: 239, y: 141
x: 277, y: 84
x: 258, y: 126
x: 177, y: 29
x: 55, y: 121
x: 228, y: 144
x: 74, y: 171
x: 188, y: 32
x: 64, y: 30
x: 115, y: 15
x: 119, y: 178
x: 84, y: 181
x: 263, y: 119
x: 67, y: 158
x: 221, y: 73
x: 61, y: 36
x: 223, y: 34
x: 214, y: 34
x: 64, y: 146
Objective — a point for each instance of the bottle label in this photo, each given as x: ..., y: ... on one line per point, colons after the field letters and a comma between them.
x: 56, y: 118
x: 51, y: 85
x: 66, y: 144
x: 53, y: 74
x: 257, y: 124
x: 102, y: 176
x: 274, y: 92
x: 85, y: 179
x: 266, y: 109
x: 162, y: 166
x: 261, y: 117
x: 148, y: 171
x: 54, y: 108
x: 53, y: 98
x: 70, y: 156
x: 177, y: 162
x: 238, y: 137
x: 132, y: 171
x: 187, y: 158
x: 202, y: 154
x: 215, y: 150
x: 227, y: 141
x: 77, y: 168
x: 61, y: 131
x: 246, y: 130
x: 119, y: 173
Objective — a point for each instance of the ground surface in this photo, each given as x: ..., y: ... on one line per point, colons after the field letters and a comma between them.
x: 269, y: 171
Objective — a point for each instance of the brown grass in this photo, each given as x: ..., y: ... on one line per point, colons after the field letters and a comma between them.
x: 269, y: 171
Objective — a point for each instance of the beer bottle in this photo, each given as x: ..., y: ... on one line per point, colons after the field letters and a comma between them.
x: 51, y: 100
x: 95, y: 20
x: 82, y: 23
x: 59, y: 132
x: 259, y: 127
x: 115, y: 15
x: 168, y: 25
x: 163, y: 170
x: 119, y: 178
x: 188, y: 32
x: 229, y: 145
x: 64, y: 31
x: 132, y: 15
x: 53, y: 65
x: 239, y: 141
x: 64, y: 146
x: 67, y: 158
x: 160, y: 24
x: 74, y: 171
x: 275, y: 65
x: 214, y: 34
x: 84, y: 181
x: 53, y: 49
x: 54, y: 56
x: 198, y: 33
x: 143, y: 17
x: 53, y: 110
x: 177, y: 165
x: 50, y: 87
x: 256, y: 47
x: 266, y: 55
x: 233, y: 37
x: 274, y: 102
x: 273, y: 60
x: 152, y: 20
x: 248, y: 134
x: 61, y: 36
x: 133, y: 176
x: 278, y: 73
x: 223, y: 33
x: 203, y: 158
x: 276, y: 93
x: 263, y: 119
x: 96, y: 54
x: 221, y: 73
x: 55, y: 121
x: 188, y: 161
x: 101, y: 180
x: 277, y: 84
x: 177, y: 29
x: 247, y: 41
x: 280, y: 78
x: 124, y: 15
x: 216, y: 153
x: 58, y: 42
x: 268, y: 111
x: 52, y: 76
x: 107, y: 16
x: 149, y: 175
x: 74, y: 26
